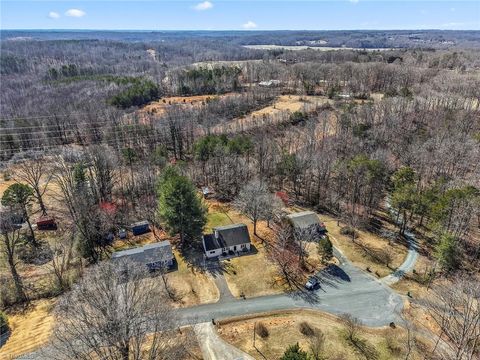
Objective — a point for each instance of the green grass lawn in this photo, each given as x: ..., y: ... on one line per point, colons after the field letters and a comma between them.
x: 215, y: 219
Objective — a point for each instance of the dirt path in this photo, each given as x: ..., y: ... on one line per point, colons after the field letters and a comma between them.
x: 214, y: 347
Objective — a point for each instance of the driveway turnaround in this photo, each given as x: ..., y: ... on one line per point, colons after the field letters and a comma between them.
x: 343, y: 289
x: 214, y: 347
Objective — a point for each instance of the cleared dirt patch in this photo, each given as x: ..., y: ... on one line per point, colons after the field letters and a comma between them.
x: 284, y: 330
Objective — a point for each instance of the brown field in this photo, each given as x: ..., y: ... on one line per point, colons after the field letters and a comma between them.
x: 283, y: 328
x: 30, y: 329
x: 159, y: 107
x: 277, y: 112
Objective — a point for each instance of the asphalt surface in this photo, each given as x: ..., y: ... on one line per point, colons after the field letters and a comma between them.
x: 409, y: 262
x: 214, y: 347
x: 343, y: 289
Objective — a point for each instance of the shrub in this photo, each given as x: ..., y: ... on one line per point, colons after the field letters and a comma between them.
x: 306, y: 329
x: 37, y: 255
x: 347, y: 230
x: 3, y: 323
x: 262, y: 330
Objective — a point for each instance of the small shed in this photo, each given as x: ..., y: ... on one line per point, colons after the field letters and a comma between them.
x: 46, y: 223
x: 140, y: 227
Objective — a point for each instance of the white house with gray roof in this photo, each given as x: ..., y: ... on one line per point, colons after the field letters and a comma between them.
x: 154, y: 256
x: 227, y: 240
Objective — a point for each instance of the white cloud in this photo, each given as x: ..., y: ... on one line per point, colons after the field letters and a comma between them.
x: 452, y: 9
x: 249, y: 25
x: 53, y: 15
x: 75, y: 13
x: 203, y: 6
x: 353, y: 1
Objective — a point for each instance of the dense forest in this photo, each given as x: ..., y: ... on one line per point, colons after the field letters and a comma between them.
x: 114, y: 119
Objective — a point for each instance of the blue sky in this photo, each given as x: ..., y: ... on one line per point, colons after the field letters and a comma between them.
x: 239, y: 14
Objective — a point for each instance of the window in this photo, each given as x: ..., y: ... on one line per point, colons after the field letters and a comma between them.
x: 243, y: 246
x: 212, y: 252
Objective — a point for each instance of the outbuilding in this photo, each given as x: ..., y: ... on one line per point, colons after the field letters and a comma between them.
x: 156, y: 256
x: 46, y: 223
x: 227, y: 240
x: 140, y: 227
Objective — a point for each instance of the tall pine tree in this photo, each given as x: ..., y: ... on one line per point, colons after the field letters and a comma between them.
x: 179, y: 206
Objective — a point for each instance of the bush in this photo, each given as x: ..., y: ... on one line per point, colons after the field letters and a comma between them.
x: 347, y: 230
x: 262, y: 330
x: 8, y: 295
x: 306, y: 329
x: 3, y: 323
x: 37, y: 255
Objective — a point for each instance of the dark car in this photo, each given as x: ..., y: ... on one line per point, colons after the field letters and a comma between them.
x: 312, y: 283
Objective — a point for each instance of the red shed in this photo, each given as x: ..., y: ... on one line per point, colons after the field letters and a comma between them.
x: 46, y: 223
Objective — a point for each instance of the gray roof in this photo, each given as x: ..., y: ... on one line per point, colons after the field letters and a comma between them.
x: 229, y: 235
x: 160, y: 251
x: 304, y: 219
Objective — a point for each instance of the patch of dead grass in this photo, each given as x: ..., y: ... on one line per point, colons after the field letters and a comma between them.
x: 284, y: 330
x: 30, y: 329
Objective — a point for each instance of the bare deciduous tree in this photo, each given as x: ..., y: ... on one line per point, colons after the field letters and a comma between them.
x: 116, y: 312
x: 11, y: 238
x: 456, y: 311
x: 35, y: 173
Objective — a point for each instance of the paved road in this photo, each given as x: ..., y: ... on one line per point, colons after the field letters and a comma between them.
x: 411, y: 259
x: 214, y: 347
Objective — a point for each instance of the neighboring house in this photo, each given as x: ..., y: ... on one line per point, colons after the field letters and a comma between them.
x: 306, y: 220
x: 227, y: 240
x: 154, y: 256
x: 270, y: 83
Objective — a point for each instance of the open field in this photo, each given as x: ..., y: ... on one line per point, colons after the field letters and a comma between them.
x: 316, y: 48
x: 388, y: 343
x: 279, y: 111
x: 30, y: 329
x: 159, y: 107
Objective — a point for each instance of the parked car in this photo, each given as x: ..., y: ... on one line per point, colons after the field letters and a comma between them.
x: 312, y: 283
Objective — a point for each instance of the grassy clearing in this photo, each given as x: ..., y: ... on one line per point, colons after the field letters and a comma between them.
x: 284, y: 105
x: 30, y: 329
x: 284, y: 330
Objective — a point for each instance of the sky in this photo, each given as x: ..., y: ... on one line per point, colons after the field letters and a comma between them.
x: 240, y: 14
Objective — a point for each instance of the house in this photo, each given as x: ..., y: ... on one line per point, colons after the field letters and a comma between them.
x: 227, y: 240
x: 154, y: 256
x: 306, y: 220
x: 270, y: 83
x: 140, y: 227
